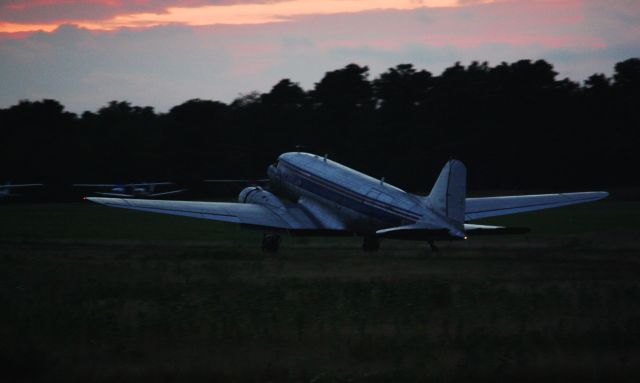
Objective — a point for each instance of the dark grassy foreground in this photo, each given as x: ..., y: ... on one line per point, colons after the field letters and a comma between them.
x: 96, y: 294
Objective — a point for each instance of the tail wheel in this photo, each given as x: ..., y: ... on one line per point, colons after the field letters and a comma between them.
x: 370, y: 243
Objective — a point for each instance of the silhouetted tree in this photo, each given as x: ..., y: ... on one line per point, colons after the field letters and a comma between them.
x: 344, y: 90
x: 401, y: 89
x: 199, y: 135
x: 515, y: 125
x: 285, y: 96
x: 627, y: 74
x: 285, y: 115
x: 38, y: 141
x: 342, y: 106
x: 597, y: 83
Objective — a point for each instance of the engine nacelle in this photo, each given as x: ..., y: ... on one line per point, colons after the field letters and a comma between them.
x: 257, y: 195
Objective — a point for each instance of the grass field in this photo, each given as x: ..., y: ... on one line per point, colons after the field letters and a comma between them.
x: 90, y: 293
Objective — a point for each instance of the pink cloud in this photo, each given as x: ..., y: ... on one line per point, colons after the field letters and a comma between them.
x: 66, y: 11
x: 107, y: 15
x: 165, y: 65
x: 550, y: 24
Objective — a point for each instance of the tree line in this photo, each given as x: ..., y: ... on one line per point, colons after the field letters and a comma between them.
x: 515, y: 125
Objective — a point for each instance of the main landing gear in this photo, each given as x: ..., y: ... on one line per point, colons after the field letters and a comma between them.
x: 370, y: 244
x: 270, y: 243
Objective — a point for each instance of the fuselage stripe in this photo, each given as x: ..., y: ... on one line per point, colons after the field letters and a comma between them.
x: 310, y: 177
x: 358, y: 197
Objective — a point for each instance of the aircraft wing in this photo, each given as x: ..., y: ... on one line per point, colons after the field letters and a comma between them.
x: 19, y: 186
x: 289, y: 218
x: 167, y: 193
x: 149, y: 184
x: 477, y: 208
x: 122, y: 195
x: 236, y: 181
x: 240, y: 182
x: 96, y: 185
x: 116, y: 185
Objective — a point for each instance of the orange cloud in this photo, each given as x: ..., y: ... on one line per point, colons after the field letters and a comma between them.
x: 16, y: 27
x: 236, y: 13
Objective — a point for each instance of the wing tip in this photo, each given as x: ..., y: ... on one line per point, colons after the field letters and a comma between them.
x: 593, y: 196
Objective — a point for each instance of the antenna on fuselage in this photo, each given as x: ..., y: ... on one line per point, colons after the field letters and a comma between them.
x: 326, y: 155
x: 298, y: 147
x: 382, y: 181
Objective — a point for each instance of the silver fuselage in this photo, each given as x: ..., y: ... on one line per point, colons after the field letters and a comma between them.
x: 340, y: 194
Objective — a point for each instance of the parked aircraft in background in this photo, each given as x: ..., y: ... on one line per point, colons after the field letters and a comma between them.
x: 5, y: 190
x: 312, y: 195
x: 239, y: 181
x: 137, y: 190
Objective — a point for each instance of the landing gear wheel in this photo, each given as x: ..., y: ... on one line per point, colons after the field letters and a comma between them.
x: 270, y: 243
x: 371, y: 244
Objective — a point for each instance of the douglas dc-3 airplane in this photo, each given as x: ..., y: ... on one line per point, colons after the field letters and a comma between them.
x: 312, y: 195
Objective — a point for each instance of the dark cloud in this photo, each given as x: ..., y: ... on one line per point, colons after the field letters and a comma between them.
x: 86, y: 69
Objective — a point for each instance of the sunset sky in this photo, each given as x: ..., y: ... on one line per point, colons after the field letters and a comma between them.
x: 163, y: 52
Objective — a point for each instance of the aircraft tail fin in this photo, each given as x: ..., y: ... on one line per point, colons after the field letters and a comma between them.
x: 448, y: 194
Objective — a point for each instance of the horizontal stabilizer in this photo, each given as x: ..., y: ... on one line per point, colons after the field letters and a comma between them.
x: 493, y: 230
x: 419, y: 232
x: 425, y: 232
x: 477, y: 208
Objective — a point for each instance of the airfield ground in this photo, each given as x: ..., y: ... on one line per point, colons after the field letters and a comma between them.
x: 90, y: 293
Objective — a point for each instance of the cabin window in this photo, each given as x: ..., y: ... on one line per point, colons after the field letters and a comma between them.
x: 373, y: 194
x: 379, y: 196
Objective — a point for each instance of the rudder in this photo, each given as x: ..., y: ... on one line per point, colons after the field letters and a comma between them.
x: 448, y: 194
